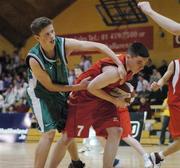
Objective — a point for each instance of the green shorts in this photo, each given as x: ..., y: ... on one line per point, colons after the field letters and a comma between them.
x: 50, y: 111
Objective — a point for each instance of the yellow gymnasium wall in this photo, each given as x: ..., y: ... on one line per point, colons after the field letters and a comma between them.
x: 6, y: 45
x: 82, y: 16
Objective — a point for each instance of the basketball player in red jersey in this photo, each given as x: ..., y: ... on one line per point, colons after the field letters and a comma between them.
x: 172, y: 76
x: 96, y: 107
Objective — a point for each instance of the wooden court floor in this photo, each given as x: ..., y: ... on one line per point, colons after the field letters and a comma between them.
x: 21, y: 156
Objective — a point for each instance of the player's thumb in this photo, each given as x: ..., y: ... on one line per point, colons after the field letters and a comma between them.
x: 127, y: 95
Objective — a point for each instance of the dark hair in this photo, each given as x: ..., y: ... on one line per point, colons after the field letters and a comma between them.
x: 39, y: 23
x: 138, y: 49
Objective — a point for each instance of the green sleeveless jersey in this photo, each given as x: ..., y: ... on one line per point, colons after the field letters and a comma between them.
x: 56, y: 68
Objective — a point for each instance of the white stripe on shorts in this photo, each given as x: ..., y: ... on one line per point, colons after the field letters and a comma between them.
x: 36, y: 107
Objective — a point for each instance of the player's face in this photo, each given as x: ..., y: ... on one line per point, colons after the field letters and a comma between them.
x: 136, y: 64
x: 47, y: 37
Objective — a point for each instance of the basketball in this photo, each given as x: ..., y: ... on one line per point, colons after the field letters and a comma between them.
x: 122, y: 90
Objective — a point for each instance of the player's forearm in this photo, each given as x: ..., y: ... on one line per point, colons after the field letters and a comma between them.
x: 101, y: 94
x: 166, y: 23
x: 107, y: 51
x: 63, y: 88
x: 161, y: 82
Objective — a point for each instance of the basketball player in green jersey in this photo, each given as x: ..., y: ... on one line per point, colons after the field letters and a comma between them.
x: 48, y: 84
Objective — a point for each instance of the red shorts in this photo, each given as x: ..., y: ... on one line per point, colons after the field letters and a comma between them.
x: 125, y: 122
x: 86, y: 111
x: 174, y: 123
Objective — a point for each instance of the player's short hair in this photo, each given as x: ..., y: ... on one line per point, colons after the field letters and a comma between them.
x: 39, y: 23
x: 138, y: 49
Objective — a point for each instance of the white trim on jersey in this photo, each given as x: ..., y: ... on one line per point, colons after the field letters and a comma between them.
x: 32, y: 81
x: 176, y: 75
x: 46, y: 58
x: 63, y: 52
x: 36, y: 57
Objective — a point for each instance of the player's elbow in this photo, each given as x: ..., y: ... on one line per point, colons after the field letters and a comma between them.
x: 91, y: 88
x: 50, y: 89
x: 176, y: 30
x: 101, y: 47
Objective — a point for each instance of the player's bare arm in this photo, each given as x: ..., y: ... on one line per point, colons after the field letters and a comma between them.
x: 110, y: 75
x: 46, y: 81
x: 166, y: 23
x: 165, y: 77
x: 77, y: 45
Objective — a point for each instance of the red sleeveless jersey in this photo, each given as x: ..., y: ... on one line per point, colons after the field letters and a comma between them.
x: 96, y: 69
x: 174, y: 86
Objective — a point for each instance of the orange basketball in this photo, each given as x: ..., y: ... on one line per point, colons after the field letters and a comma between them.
x: 124, y: 89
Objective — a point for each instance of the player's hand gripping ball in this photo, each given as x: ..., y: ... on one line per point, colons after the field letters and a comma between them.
x: 125, y: 91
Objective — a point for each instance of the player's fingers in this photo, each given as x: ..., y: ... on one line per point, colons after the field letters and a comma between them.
x: 154, y: 85
x: 127, y: 95
x: 88, y: 78
x: 123, y: 105
x: 126, y: 104
x: 121, y: 81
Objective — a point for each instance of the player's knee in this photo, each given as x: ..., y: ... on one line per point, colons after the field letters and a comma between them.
x: 65, y: 139
x: 115, y: 131
x: 120, y: 131
x: 49, y: 135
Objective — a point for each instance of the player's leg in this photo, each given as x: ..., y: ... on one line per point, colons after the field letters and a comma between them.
x: 72, y: 149
x: 135, y: 144
x: 126, y: 136
x: 102, y: 140
x: 158, y: 157
x: 47, y: 127
x: 111, y: 146
x: 60, y: 148
x: 43, y: 148
x: 174, y: 127
x: 174, y: 147
x: 76, y: 162
x: 75, y: 127
x: 106, y: 124
x: 138, y: 147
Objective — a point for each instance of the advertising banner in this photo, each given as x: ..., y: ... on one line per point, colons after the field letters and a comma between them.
x: 14, y: 126
x: 118, y: 39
